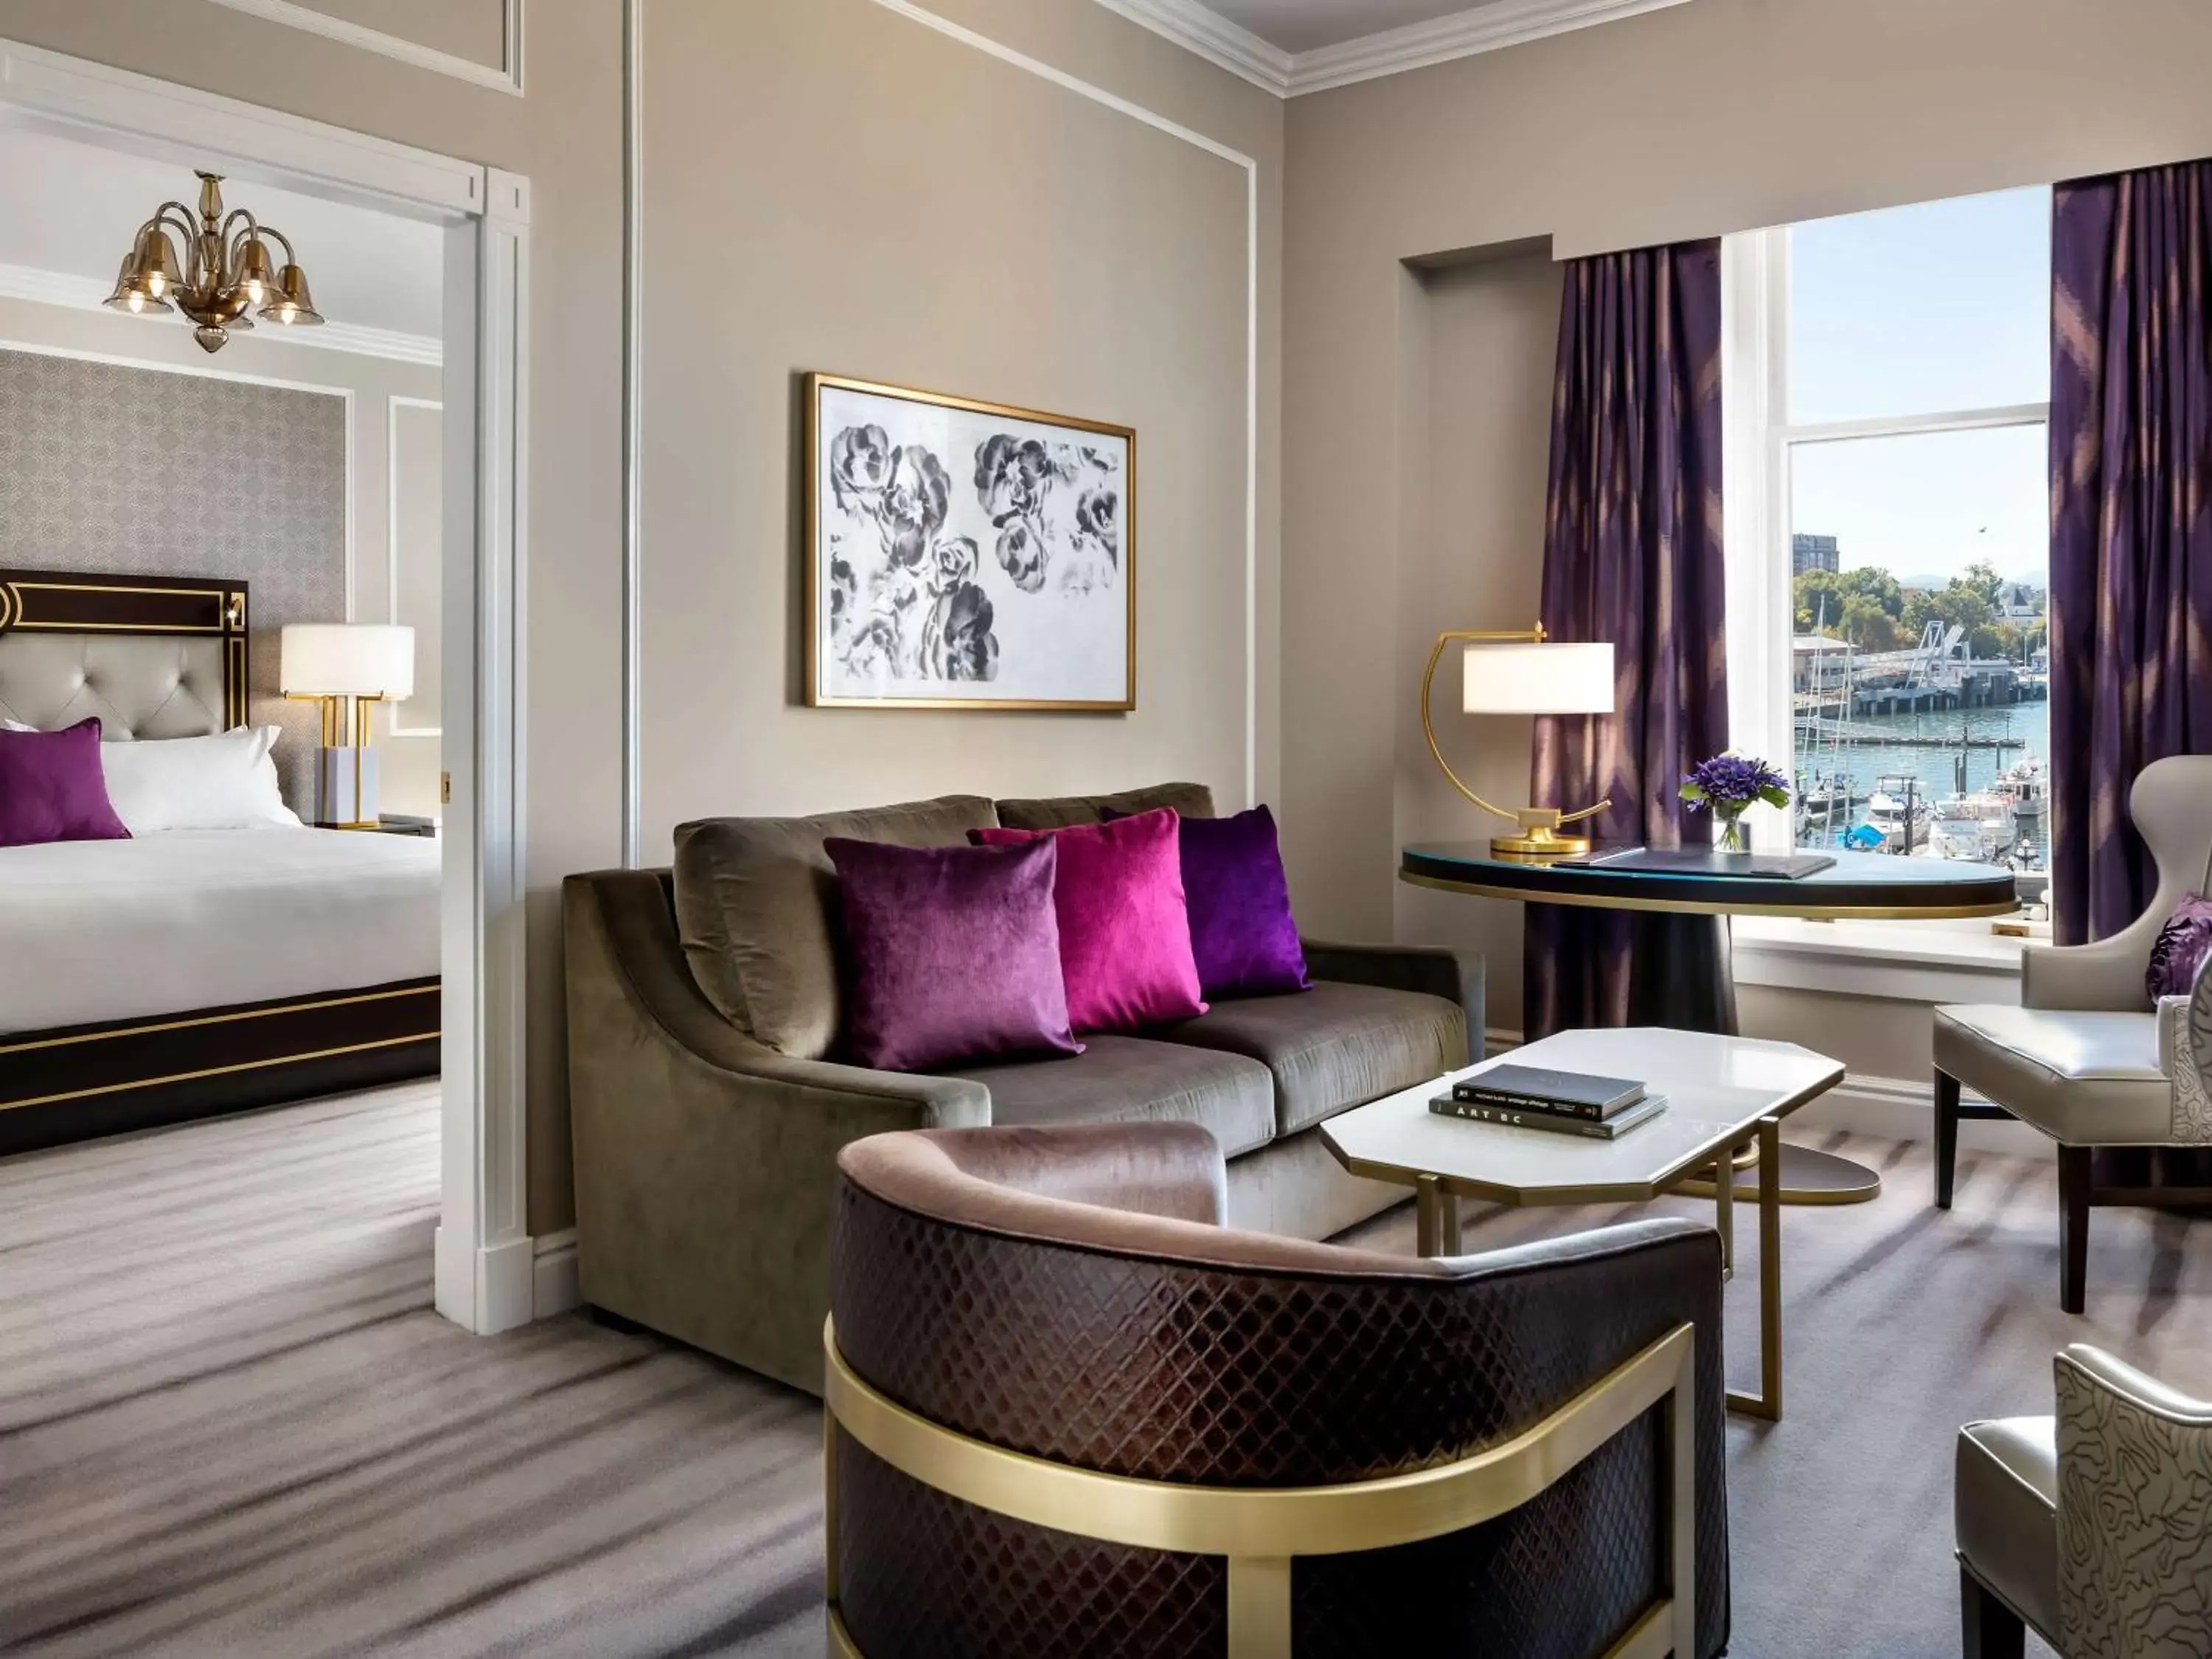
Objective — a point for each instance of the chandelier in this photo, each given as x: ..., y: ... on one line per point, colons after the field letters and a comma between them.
x: 226, y: 271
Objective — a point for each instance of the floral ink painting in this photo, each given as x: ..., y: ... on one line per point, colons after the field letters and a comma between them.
x: 963, y: 554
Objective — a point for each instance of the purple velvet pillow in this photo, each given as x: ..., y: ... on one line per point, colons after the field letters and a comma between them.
x: 951, y: 952
x: 51, y: 787
x: 1241, y: 931
x: 2182, y: 945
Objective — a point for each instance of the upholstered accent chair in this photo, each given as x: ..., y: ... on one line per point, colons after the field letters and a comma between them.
x: 2086, y: 1059
x: 1071, y: 1412
x: 2093, y: 1526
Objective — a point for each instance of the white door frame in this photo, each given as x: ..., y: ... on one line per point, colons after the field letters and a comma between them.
x: 483, y: 1268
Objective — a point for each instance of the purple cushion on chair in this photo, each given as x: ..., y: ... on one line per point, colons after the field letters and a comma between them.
x: 52, y: 788
x: 1241, y: 931
x: 2182, y: 945
x: 951, y: 953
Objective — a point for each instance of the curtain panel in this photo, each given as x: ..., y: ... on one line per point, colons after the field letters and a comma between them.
x: 2130, y: 538
x: 1632, y: 555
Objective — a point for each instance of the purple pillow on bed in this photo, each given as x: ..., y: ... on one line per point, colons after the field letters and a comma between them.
x: 951, y: 953
x: 1241, y: 932
x: 2181, y: 947
x: 51, y: 787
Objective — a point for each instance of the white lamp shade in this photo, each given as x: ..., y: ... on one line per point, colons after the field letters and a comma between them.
x: 1539, y: 679
x: 348, y: 660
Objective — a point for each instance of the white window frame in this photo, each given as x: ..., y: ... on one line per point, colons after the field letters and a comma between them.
x: 1759, y: 442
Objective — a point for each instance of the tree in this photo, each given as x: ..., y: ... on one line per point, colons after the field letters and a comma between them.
x: 1962, y: 604
x: 1861, y: 605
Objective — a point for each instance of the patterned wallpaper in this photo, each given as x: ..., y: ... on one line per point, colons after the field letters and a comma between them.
x: 104, y: 467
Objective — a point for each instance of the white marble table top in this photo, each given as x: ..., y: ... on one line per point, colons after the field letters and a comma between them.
x: 1718, y: 1089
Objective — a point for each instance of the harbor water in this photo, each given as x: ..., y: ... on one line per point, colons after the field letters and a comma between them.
x: 1864, y: 757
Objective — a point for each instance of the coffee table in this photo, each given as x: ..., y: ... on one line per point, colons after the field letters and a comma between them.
x: 1723, y: 1094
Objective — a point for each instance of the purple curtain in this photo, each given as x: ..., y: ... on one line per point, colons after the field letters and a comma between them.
x: 2130, y: 539
x: 1632, y: 555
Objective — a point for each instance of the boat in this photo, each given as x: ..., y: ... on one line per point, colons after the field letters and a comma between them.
x: 1824, y: 807
x: 1899, y: 812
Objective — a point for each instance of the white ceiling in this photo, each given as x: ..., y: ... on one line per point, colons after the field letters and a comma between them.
x: 72, y: 209
x: 1309, y: 25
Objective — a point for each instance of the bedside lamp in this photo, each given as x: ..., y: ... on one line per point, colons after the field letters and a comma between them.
x: 347, y: 667
x: 1524, y: 671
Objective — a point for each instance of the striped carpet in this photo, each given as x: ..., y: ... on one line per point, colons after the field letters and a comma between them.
x: 230, y: 1424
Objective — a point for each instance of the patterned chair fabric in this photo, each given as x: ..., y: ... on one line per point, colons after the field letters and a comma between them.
x: 2135, y: 1512
x: 1067, y: 1292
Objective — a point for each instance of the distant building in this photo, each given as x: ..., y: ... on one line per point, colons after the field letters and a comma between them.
x: 1814, y: 553
x: 2019, y: 601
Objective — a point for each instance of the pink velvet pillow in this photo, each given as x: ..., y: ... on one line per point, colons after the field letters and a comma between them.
x: 1124, y: 928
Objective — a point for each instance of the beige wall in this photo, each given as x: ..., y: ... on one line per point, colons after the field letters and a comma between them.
x: 874, y: 198
x: 1716, y: 116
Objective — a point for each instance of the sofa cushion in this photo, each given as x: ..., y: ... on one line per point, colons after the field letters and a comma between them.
x: 1335, y: 1046
x: 755, y: 904
x: 1122, y: 1079
x: 2005, y: 1493
x: 1190, y: 800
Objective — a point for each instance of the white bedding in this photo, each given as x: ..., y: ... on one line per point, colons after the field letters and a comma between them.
x: 101, y: 930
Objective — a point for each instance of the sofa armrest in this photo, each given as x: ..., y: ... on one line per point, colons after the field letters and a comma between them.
x: 1455, y: 976
x: 2184, y: 1054
x: 705, y: 1163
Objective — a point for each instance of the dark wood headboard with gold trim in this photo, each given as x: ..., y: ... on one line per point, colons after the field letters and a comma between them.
x: 96, y: 605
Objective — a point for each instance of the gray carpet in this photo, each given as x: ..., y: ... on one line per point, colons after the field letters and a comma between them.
x: 229, y: 1423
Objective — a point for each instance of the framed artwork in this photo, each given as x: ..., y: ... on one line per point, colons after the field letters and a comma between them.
x: 965, y: 555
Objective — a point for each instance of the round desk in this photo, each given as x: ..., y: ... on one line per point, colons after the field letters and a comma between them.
x: 1682, y: 976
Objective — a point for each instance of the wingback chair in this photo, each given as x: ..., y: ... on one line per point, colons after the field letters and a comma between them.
x: 2093, y: 1526
x: 2086, y: 1058
x: 1070, y: 1412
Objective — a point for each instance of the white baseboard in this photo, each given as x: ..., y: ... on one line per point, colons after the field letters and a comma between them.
x: 487, y: 1291
x: 1894, y: 1109
x: 555, y: 1289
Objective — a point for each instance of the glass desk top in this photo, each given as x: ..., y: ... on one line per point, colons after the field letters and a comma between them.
x: 1861, y: 886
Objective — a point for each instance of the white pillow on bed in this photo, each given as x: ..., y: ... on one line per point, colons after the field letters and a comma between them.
x: 226, y: 782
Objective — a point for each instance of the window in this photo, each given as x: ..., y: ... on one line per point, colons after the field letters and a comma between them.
x: 1887, y: 397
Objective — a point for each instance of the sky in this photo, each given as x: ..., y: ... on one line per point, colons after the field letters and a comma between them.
x: 1919, y: 310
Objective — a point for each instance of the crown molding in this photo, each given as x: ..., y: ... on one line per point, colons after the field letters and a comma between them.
x: 1489, y: 27
x: 59, y: 288
x: 1215, y: 38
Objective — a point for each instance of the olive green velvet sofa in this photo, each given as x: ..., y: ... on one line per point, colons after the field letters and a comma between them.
x: 707, y: 1106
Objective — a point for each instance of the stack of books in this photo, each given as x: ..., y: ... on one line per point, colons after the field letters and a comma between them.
x: 1566, y: 1103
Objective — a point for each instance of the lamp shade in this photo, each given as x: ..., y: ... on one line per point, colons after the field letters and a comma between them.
x: 348, y: 660
x: 1550, y: 678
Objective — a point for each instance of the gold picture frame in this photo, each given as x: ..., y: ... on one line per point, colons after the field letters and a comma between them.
x: 937, y: 608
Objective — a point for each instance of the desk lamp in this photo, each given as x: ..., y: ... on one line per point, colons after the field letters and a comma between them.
x: 347, y: 667
x: 1524, y: 671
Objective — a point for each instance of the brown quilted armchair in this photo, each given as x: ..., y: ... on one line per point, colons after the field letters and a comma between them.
x: 1069, y: 1412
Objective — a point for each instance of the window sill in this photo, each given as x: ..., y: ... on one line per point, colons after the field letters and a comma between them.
x: 1897, y: 961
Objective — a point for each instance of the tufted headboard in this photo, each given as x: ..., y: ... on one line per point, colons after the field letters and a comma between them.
x: 152, y: 656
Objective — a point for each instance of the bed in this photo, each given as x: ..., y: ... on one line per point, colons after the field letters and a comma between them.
x: 193, y: 972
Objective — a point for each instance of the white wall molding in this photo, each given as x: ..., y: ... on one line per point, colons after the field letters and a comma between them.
x: 392, y: 405
x: 1215, y: 38
x: 1290, y: 74
x: 555, y: 1286
x: 98, y: 104
x: 1153, y: 119
x: 59, y: 288
x: 504, y: 76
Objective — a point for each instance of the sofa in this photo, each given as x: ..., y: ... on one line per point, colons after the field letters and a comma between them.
x: 707, y: 1104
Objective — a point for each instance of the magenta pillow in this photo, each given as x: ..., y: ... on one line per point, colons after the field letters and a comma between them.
x: 2180, y: 949
x: 1242, y: 932
x: 951, y: 953
x: 1124, y: 930
x: 51, y: 787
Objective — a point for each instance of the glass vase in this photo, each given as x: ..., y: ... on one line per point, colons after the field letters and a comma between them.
x: 1735, y: 838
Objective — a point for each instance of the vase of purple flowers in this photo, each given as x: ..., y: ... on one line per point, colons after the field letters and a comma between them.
x: 1726, y: 784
